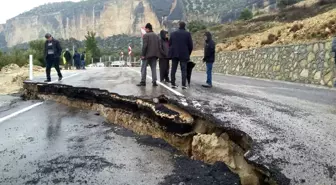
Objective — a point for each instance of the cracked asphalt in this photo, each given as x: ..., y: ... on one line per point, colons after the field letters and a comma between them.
x: 293, y: 127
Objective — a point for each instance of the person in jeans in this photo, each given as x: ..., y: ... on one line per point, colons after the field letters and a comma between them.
x: 52, y: 55
x: 209, y: 57
x: 82, y: 58
x: 163, y: 59
x: 150, y: 54
x: 180, y: 48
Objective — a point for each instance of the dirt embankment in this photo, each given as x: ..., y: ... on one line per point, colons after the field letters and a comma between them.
x: 12, y: 77
x: 307, y: 21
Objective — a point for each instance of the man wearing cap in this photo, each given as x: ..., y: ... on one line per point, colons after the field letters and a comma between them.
x: 52, y: 55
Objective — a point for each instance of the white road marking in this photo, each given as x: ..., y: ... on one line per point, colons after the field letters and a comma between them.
x: 65, y: 78
x: 32, y: 106
x: 162, y: 84
x: 20, y: 112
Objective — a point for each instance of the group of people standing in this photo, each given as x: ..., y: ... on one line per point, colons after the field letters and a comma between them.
x: 178, y: 48
x: 79, y: 59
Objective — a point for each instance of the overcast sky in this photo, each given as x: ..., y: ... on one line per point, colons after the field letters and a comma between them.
x: 12, y: 8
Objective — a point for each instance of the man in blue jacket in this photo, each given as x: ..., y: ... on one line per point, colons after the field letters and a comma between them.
x: 209, y: 57
x: 180, y: 48
x: 77, y: 59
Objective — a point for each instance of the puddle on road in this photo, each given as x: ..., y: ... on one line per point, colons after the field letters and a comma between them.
x: 195, y: 134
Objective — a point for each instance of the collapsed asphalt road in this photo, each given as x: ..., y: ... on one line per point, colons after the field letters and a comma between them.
x: 292, y: 125
x: 55, y: 144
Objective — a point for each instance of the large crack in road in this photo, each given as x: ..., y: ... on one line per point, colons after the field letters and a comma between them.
x: 195, y: 134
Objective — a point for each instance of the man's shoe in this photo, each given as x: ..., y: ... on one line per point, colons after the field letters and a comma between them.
x: 207, y: 86
x: 184, y: 87
x: 141, y: 84
x: 60, y: 79
x: 47, y: 80
x: 174, y: 86
x: 155, y: 84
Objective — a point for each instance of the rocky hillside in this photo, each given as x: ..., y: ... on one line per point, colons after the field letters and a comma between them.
x: 307, y: 21
x: 111, y: 17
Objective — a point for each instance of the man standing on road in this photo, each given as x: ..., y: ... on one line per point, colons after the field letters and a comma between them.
x: 163, y: 59
x: 83, y: 60
x: 76, y: 58
x: 52, y: 55
x: 209, y: 57
x: 67, y: 56
x: 150, y: 54
x: 181, y: 46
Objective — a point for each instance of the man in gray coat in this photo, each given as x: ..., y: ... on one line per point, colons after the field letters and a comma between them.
x: 150, y: 54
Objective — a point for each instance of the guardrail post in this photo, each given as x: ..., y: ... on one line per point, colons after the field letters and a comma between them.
x: 31, y: 67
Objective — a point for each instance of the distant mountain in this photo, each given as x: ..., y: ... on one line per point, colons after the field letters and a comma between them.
x: 112, y: 17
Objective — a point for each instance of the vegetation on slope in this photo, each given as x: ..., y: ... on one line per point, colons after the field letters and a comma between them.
x: 303, y: 22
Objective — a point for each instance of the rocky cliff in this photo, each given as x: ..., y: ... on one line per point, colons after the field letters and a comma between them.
x: 111, y: 17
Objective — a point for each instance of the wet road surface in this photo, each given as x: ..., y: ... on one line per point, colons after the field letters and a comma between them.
x: 55, y: 144
x: 293, y: 127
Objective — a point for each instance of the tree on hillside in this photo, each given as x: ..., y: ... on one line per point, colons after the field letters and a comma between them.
x: 91, y: 46
x: 246, y: 14
x: 195, y: 26
x: 36, y: 48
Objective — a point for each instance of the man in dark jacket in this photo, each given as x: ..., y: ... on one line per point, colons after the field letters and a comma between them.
x: 163, y: 59
x: 77, y: 60
x: 209, y: 57
x: 67, y: 56
x: 82, y: 58
x: 52, y: 55
x: 180, y: 48
x: 150, y: 54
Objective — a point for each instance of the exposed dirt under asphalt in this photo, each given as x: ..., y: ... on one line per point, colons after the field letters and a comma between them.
x: 195, y: 134
x: 66, y: 145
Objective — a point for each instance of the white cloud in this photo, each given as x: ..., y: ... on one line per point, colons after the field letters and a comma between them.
x: 12, y: 8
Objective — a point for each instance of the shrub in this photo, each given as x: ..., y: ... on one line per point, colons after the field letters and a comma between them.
x: 195, y: 26
x: 246, y: 14
x: 295, y: 28
x: 270, y: 39
x: 284, y: 3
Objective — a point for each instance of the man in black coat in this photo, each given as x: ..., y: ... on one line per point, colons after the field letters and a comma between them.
x: 52, y: 55
x: 209, y: 57
x: 180, y: 48
x: 68, y: 57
